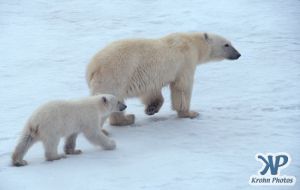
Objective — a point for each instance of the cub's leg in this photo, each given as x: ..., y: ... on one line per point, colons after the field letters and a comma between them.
x: 50, y: 145
x: 105, y: 132
x: 29, y: 137
x: 153, y: 102
x: 181, y: 91
x: 70, y: 144
x: 97, y: 137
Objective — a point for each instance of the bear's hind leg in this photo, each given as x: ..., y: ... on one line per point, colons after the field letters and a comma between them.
x: 153, y: 102
x: 70, y: 144
x: 51, y: 145
x: 120, y: 119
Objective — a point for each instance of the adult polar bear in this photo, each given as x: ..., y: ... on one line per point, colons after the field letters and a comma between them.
x: 141, y: 67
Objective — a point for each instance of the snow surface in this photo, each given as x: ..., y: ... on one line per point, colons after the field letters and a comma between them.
x: 247, y: 106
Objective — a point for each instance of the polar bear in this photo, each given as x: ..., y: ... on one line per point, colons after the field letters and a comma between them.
x: 142, y: 67
x: 58, y: 119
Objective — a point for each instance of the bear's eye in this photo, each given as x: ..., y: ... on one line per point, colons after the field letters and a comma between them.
x: 226, y: 45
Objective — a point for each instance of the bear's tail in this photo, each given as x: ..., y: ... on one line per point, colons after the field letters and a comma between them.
x: 91, y: 70
x: 28, y: 138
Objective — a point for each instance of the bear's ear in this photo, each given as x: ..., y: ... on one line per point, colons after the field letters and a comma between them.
x: 104, y: 100
x: 206, y: 37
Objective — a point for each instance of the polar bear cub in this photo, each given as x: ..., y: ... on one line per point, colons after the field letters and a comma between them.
x: 57, y: 119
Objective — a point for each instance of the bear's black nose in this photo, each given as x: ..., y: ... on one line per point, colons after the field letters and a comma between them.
x: 234, y: 57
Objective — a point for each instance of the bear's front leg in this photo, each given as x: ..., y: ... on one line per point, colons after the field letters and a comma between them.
x: 188, y: 114
x: 153, y: 102
x: 181, y: 91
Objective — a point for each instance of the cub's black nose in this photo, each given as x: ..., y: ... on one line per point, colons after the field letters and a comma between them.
x: 239, y: 55
x: 122, y: 107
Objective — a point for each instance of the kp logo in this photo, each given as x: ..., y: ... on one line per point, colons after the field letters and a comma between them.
x: 269, y: 174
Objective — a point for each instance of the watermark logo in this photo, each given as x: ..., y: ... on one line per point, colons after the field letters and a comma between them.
x: 270, y: 173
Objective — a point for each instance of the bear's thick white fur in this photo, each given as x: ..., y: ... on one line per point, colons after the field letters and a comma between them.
x: 141, y: 67
x: 58, y: 119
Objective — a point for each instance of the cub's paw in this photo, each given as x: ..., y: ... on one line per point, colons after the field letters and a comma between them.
x: 110, y: 145
x: 73, y: 151
x: 19, y: 163
x: 57, y: 157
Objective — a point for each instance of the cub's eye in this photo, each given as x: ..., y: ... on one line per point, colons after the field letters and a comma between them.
x: 226, y: 45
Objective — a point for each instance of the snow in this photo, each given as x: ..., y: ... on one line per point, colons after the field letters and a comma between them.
x: 247, y: 106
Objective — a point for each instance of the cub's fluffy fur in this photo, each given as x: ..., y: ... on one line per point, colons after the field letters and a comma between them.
x: 58, y: 119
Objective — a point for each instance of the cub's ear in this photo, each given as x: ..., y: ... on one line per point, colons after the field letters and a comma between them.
x: 206, y: 36
x: 104, y: 100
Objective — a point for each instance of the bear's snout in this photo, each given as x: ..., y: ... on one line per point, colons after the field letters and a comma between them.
x: 234, y: 54
x: 122, y: 106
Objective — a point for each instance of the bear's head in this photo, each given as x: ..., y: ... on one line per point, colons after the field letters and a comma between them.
x: 221, y: 48
x: 108, y: 103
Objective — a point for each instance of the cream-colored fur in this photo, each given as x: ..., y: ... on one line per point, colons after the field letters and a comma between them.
x: 58, y: 119
x: 141, y: 67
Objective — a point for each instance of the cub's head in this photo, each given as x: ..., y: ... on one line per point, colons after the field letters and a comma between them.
x: 109, y: 103
x: 221, y: 48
